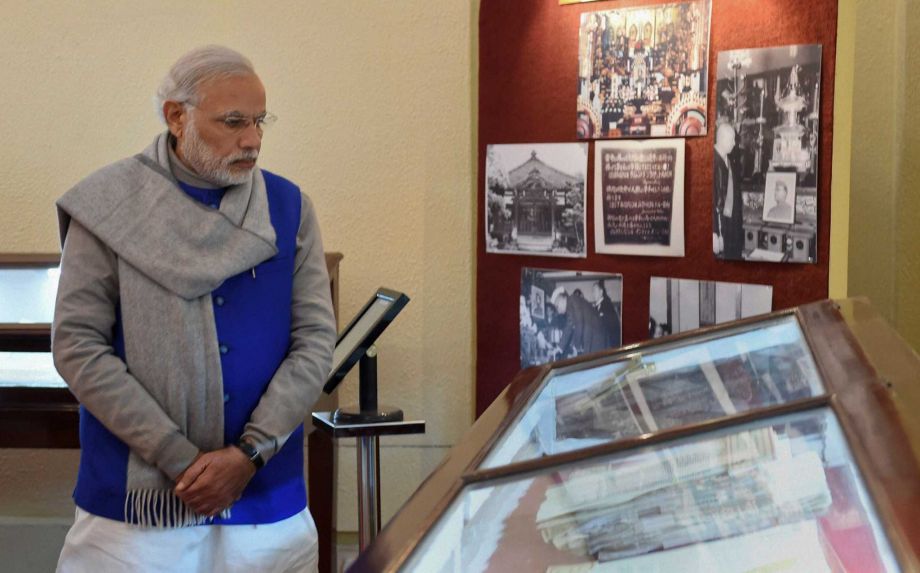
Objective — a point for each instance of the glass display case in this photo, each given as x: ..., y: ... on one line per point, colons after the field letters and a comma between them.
x: 782, y: 443
x: 28, y: 285
x: 36, y: 408
x: 670, y: 385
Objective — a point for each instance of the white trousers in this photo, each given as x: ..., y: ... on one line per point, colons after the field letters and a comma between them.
x: 99, y: 545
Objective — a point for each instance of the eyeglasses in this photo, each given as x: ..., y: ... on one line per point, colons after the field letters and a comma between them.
x: 235, y: 122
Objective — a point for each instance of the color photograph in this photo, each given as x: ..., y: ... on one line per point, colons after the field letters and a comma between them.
x: 642, y: 71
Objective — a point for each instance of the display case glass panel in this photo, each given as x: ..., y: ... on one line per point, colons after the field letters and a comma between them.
x: 29, y: 370
x: 778, y: 494
x: 27, y: 295
x: 669, y: 385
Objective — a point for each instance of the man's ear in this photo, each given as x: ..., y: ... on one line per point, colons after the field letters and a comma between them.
x: 176, y: 117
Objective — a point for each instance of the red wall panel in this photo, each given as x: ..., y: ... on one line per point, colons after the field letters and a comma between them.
x: 528, y: 69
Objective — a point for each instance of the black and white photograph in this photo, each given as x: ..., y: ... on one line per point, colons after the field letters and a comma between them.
x: 779, y: 197
x: 681, y: 396
x: 537, y: 302
x: 582, y: 314
x: 765, y: 162
x: 679, y: 305
x: 639, y: 197
x: 598, y: 412
x: 535, y: 199
x: 642, y: 71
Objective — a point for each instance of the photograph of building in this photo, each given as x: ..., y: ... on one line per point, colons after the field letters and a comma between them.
x: 536, y: 199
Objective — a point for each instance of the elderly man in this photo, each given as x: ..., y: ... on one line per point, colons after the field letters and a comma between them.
x: 727, y: 219
x: 193, y: 323
x: 583, y: 331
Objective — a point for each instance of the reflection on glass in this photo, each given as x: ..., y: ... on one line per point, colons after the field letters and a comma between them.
x: 775, y: 495
x: 673, y: 385
x: 29, y: 369
x: 27, y: 295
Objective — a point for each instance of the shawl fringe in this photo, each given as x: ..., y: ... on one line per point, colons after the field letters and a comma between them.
x: 162, y: 509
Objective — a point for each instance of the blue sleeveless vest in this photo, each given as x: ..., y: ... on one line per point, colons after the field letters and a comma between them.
x: 252, y: 313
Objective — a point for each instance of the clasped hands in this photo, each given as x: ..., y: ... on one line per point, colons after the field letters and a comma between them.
x: 215, y: 480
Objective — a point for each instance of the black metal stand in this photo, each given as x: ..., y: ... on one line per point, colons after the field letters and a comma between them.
x: 367, y: 422
x: 367, y: 412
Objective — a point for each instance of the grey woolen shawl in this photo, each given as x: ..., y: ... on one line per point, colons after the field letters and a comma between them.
x: 171, y: 253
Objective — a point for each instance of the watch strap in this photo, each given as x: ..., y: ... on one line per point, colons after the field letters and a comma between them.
x: 252, y: 453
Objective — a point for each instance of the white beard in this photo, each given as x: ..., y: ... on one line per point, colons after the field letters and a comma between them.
x: 209, y: 166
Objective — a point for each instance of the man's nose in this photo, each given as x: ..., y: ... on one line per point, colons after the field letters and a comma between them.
x: 251, y: 138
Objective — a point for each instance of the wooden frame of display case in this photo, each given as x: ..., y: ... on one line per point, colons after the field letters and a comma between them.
x: 873, y: 389
x: 49, y: 417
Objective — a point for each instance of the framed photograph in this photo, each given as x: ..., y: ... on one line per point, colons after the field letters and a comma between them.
x: 535, y: 199
x: 642, y: 71
x: 766, y: 154
x: 779, y: 198
x: 537, y: 302
x: 639, y: 197
x: 679, y: 305
x: 568, y: 313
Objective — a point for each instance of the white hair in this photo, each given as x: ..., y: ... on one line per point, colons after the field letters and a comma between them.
x: 197, y: 67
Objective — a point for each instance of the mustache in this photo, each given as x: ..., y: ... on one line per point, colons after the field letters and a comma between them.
x: 252, y: 155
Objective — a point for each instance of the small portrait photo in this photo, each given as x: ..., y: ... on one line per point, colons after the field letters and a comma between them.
x: 779, y: 197
x: 537, y: 302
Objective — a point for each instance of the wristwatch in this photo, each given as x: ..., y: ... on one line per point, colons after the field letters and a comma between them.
x: 252, y: 453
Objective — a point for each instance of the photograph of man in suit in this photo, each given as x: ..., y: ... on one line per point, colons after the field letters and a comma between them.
x: 781, y: 212
x: 583, y: 331
x: 605, y: 308
x: 727, y: 221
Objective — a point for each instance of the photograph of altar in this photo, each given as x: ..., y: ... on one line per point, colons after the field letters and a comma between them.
x: 765, y: 165
x: 642, y: 71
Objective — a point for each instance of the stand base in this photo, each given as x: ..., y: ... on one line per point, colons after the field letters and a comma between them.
x: 354, y: 415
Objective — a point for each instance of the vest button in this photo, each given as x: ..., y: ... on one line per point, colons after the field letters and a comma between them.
x: 226, y: 398
x: 223, y: 349
x: 219, y: 301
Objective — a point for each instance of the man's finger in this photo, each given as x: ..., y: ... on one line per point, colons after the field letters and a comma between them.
x: 192, y: 473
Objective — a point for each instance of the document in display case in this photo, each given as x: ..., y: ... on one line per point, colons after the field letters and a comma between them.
x: 713, y: 502
x: 781, y: 443
x: 667, y: 386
